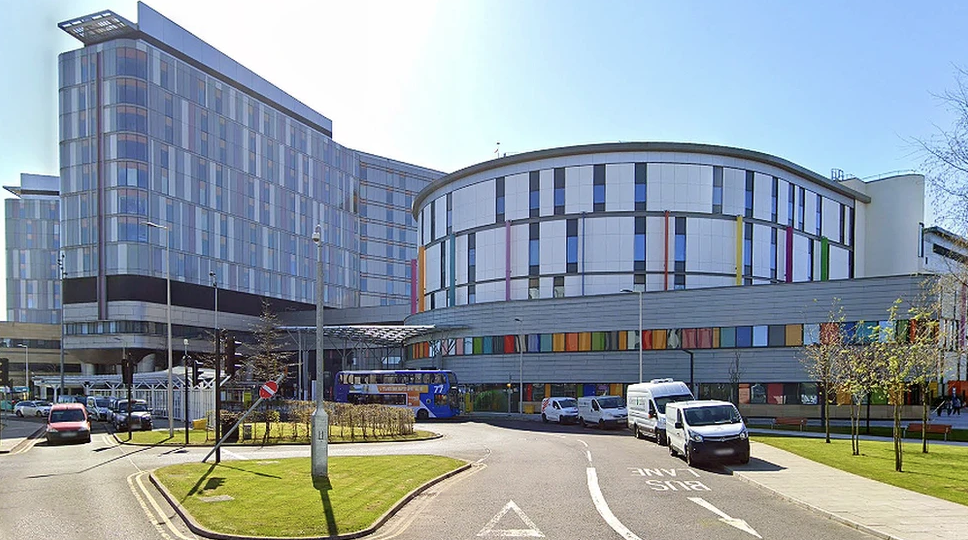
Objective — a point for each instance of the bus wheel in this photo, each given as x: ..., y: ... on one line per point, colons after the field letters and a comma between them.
x: 422, y: 414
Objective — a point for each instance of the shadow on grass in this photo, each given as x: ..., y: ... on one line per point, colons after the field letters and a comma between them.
x: 202, y: 479
x: 324, y: 487
x: 264, y: 475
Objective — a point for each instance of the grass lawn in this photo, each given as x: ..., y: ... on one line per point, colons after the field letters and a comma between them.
x: 942, y: 472
x: 277, y: 498
x: 879, y: 431
x: 280, y: 433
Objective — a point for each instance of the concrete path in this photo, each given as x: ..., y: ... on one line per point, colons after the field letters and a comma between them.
x: 873, y: 507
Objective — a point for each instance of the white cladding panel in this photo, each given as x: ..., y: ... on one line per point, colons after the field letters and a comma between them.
x: 432, y: 268
x: 831, y: 220
x: 553, y: 240
x: 810, y: 213
x: 441, y: 211
x: 425, y: 225
x: 839, y: 263
x: 619, y: 187
x: 782, y: 202
x: 800, y: 257
x: 761, y: 250
x: 608, y: 284
x: 473, y: 206
x: 608, y: 244
x: 679, y: 188
x: 516, y: 196
x: 460, y: 252
x: 546, y: 287
x: 490, y: 254
x: 734, y: 191
x: 490, y: 292
x: 762, y: 196
x: 519, y: 250
x: 578, y: 189
x: 655, y: 239
x: 547, y: 193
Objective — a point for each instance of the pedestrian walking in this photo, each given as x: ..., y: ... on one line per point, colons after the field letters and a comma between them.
x: 956, y: 405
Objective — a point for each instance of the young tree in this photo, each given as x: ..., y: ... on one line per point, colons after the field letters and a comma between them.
x: 267, y: 359
x: 823, y: 359
x: 924, y: 354
x: 859, y: 376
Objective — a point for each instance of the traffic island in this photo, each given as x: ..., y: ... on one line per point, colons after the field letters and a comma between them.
x: 277, y: 498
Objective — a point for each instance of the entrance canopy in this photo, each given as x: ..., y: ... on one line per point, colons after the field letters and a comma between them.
x: 377, y: 335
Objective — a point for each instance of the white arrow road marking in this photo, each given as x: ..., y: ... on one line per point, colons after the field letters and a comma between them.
x: 734, y: 522
x: 488, y: 529
x: 603, y: 508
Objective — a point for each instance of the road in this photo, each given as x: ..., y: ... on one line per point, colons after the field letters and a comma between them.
x: 528, y: 480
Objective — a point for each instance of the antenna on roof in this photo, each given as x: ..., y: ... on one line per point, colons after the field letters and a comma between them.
x: 837, y: 175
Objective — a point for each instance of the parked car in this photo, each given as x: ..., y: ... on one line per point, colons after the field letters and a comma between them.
x: 559, y: 409
x: 707, y: 431
x: 140, y: 415
x: 68, y: 422
x: 647, y: 403
x: 99, y: 408
x: 32, y: 408
x: 602, y: 411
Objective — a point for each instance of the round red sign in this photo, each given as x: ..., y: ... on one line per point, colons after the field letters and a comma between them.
x: 268, y: 390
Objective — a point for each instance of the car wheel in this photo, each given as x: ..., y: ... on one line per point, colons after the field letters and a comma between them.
x: 20, y: 413
x: 544, y: 418
x: 690, y: 460
x: 601, y: 424
x: 636, y: 432
x: 561, y: 420
x: 744, y: 459
x: 672, y: 451
x: 581, y: 420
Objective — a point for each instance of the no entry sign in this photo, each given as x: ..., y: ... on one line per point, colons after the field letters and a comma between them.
x: 268, y: 389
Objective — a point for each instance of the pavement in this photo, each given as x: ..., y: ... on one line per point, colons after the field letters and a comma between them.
x: 18, y: 430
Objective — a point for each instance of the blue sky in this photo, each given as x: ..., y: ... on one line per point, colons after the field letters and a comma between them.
x: 823, y: 84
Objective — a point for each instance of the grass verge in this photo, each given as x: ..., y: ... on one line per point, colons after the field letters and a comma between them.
x: 278, y: 435
x: 277, y: 498
x: 878, y: 431
x: 942, y: 472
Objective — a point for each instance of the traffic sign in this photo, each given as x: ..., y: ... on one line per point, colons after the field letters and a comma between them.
x: 268, y: 389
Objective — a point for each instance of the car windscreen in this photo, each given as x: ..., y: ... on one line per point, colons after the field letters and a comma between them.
x: 44, y: 404
x: 67, y: 415
x: 611, y: 402
x: 104, y: 402
x: 137, y: 407
x: 568, y: 403
x: 661, y: 402
x: 715, y: 414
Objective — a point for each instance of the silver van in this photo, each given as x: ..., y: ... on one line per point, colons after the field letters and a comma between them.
x: 707, y: 431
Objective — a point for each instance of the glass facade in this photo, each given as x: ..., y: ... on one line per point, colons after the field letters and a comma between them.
x: 33, y: 244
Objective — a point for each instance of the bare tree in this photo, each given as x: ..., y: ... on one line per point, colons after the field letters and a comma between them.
x: 823, y: 359
x: 924, y: 355
x: 859, y: 377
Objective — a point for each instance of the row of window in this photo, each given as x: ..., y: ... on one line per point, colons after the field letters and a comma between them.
x: 728, y: 337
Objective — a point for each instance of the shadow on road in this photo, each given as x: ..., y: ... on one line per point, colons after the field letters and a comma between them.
x: 324, y: 487
x: 540, y: 427
x: 756, y: 464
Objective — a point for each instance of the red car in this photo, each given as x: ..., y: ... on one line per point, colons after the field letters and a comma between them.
x: 68, y: 422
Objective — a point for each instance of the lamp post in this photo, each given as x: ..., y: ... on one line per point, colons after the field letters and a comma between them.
x: 171, y: 396
x: 26, y: 349
x: 320, y: 434
x: 63, y: 274
x: 639, y: 331
x: 691, y: 364
x: 185, y: 386
x: 218, y: 374
x: 126, y: 367
x: 520, y: 365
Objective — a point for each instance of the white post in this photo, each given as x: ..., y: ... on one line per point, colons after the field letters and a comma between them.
x: 320, y: 434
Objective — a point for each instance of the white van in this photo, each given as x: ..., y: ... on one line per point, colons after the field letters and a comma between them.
x: 602, y: 411
x: 707, y: 431
x: 647, y: 403
x: 559, y: 409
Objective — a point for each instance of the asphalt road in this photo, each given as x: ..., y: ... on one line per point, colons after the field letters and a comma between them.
x: 528, y: 480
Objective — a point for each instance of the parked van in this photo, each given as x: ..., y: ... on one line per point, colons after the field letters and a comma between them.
x: 602, y: 411
x: 647, y: 403
x: 559, y: 409
x: 707, y: 431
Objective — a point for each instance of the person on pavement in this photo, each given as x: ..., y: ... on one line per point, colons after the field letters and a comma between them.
x: 956, y: 405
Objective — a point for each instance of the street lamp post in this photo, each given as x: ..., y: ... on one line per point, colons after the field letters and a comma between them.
x: 63, y: 274
x: 318, y: 447
x: 171, y: 396
x: 185, y: 386
x: 218, y: 374
x: 26, y: 349
x: 639, y: 331
x: 520, y: 365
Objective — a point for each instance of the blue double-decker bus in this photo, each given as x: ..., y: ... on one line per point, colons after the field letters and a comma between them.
x: 428, y: 393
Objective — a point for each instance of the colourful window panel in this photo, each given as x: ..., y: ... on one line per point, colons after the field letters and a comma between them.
x: 658, y: 339
x: 850, y: 331
x: 632, y: 340
x: 885, y: 331
x: 615, y: 389
x: 674, y: 339
x: 598, y: 341
x: 547, y: 346
x: 689, y: 338
x: 866, y: 332
x: 488, y: 344
x: 744, y: 393
x: 761, y: 336
x: 744, y: 336
x: 811, y: 334
x: 794, y: 335
x: 777, y: 335
x: 774, y: 393
x: 459, y: 347
x: 829, y: 333
x: 902, y: 331
x: 716, y: 336
x: 534, y: 343
x: 558, y: 343
x: 585, y: 341
x: 571, y: 342
x: 623, y: 340
x: 510, y: 344
x: 646, y: 340
x: 727, y: 337
x: 613, y: 341
x: 478, y: 345
x: 704, y: 338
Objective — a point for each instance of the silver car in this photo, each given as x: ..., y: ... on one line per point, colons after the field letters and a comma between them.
x: 32, y: 408
x: 140, y: 415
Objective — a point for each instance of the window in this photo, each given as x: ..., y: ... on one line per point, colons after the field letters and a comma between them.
x: 749, y: 194
x: 534, y: 288
x: 772, y: 253
x: 774, y: 196
x: 791, y: 197
x: 571, y: 246
x: 131, y: 61
x: 748, y: 251
x: 640, y: 187
x: 131, y: 91
x: 598, y: 187
x: 559, y: 192
x: 534, y: 194
x: 534, y: 249
x: 717, y: 190
x: 842, y: 236
x: 450, y: 213
x: 471, y: 293
x: 800, y: 208
x: 499, y: 199
x: 471, y: 258
x: 443, y: 266
x: 132, y: 147
x: 849, y: 234
x: 638, y: 283
x: 819, y: 215
x: 131, y: 119
x: 809, y: 260
x: 639, y: 247
x: 680, y: 244
x: 559, y: 287
x: 679, y: 282
x: 433, y: 220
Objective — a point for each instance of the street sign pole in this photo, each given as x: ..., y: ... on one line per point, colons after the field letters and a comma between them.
x: 231, y: 430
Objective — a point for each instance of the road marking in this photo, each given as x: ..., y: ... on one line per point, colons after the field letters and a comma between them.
x: 583, y: 442
x: 734, y: 522
x: 603, y: 510
x: 588, y: 453
x: 677, y: 485
x: 232, y: 454
x: 531, y: 531
x: 487, y: 454
x: 136, y: 478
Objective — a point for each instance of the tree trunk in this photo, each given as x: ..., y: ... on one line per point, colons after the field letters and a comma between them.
x: 898, y: 449
x: 925, y: 408
x: 826, y: 413
x: 855, y: 426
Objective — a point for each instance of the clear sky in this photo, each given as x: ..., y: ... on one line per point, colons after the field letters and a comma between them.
x: 823, y: 84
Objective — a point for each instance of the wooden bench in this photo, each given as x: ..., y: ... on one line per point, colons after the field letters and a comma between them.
x: 918, y: 427
x: 789, y: 421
